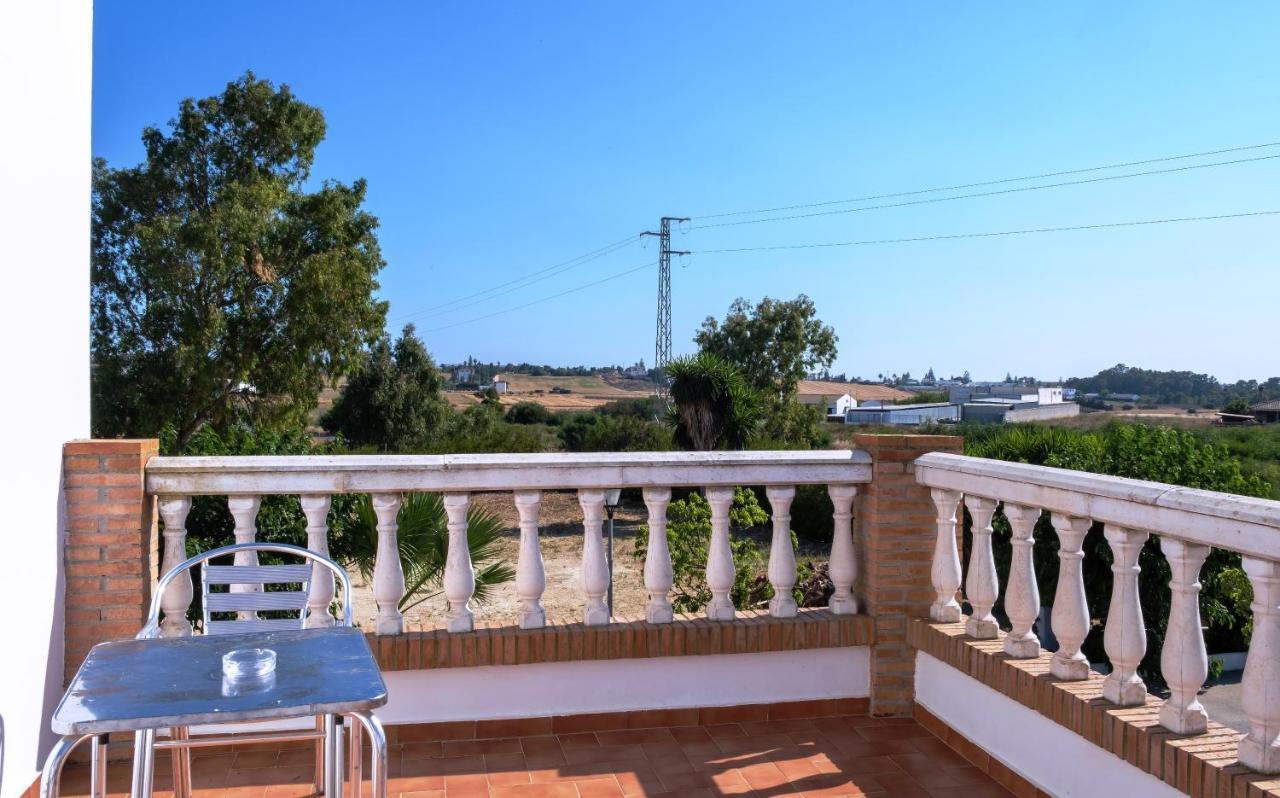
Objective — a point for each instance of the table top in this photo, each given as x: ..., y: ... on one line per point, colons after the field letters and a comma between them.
x: 126, y: 685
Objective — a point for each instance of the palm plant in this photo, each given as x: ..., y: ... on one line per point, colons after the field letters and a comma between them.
x: 424, y: 545
x: 714, y: 406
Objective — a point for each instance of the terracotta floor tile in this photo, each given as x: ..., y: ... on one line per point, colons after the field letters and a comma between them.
x: 580, y: 740
x: 634, y: 736
x: 510, y: 745
x: 690, y: 734
x: 605, y: 753
x: 603, y: 787
x: 730, y: 782
x: 725, y: 730
x: 675, y: 782
x: 429, y: 750
x: 549, y: 744
x: 764, y: 776
x: 471, y: 785
x: 536, y: 791
x: 415, y: 783
x: 509, y: 778
x: 423, y: 794
x: 255, y: 759
x: 639, y: 781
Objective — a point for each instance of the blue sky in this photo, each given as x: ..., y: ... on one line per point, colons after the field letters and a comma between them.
x: 502, y: 138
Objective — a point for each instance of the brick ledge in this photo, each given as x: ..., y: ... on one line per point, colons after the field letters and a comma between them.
x: 1201, y: 765
x: 752, y: 632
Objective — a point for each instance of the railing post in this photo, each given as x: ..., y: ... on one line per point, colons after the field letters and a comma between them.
x: 531, y: 576
x: 595, y: 568
x: 1125, y: 637
x: 177, y: 599
x: 720, y: 570
x: 945, y: 572
x: 843, y: 566
x: 315, y: 507
x: 782, y: 555
x: 1070, y: 617
x: 459, y: 576
x: 658, y: 574
x: 981, y: 587
x: 244, y: 511
x: 1260, y: 748
x: 1183, y: 660
x: 1022, y: 595
x: 388, y: 572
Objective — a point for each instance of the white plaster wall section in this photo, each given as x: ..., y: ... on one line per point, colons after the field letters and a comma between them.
x: 570, y: 688
x: 1052, y: 757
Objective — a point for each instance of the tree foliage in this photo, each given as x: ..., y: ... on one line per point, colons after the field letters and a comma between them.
x: 392, y: 402
x: 714, y: 407
x: 1175, y: 387
x: 222, y: 289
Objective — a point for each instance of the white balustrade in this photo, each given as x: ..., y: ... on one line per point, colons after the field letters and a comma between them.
x: 720, y: 570
x: 843, y: 568
x: 315, y: 507
x: 782, y: 555
x: 595, y: 568
x: 244, y: 512
x: 531, y: 575
x: 459, y: 576
x: 945, y: 572
x: 1183, y: 660
x: 177, y: 598
x: 1070, y: 616
x: 388, y: 572
x: 658, y: 574
x: 1125, y: 637
x: 1022, y: 595
x: 981, y: 586
x: 1260, y: 749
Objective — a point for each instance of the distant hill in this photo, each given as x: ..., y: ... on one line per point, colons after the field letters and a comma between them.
x: 1185, y: 388
x: 859, y: 391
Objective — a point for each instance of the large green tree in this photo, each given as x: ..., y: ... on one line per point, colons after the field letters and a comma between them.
x: 393, y: 400
x: 226, y: 289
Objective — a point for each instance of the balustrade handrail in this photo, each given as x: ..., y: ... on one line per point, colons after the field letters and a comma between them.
x: 330, y: 474
x: 1239, y: 523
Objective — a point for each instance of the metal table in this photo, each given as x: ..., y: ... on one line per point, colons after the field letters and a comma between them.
x: 145, y: 685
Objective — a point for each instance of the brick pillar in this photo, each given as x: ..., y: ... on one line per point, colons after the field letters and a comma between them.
x: 896, y: 528
x: 110, y: 545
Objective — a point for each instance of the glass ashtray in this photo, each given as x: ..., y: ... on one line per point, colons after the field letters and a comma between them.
x: 248, y: 664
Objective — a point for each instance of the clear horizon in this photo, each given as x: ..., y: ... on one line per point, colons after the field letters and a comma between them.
x: 499, y: 141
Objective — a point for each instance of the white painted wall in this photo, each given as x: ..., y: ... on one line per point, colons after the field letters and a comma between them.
x: 1054, y: 758
x: 570, y: 688
x: 45, y: 81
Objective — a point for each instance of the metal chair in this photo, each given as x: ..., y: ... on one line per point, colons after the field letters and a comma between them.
x: 246, y: 604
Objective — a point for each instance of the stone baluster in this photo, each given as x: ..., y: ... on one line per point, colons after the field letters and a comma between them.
x: 1260, y: 748
x: 459, y: 576
x: 1125, y: 637
x: 782, y: 555
x: 531, y: 575
x: 720, y: 570
x: 1183, y: 660
x: 388, y: 572
x: 945, y: 572
x: 1022, y: 595
x: 981, y: 587
x: 320, y: 594
x: 177, y: 598
x: 244, y: 511
x: 658, y: 575
x: 843, y: 567
x: 595, y: 568
x: 1070, y: 617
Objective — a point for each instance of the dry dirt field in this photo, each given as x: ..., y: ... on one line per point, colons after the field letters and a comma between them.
x: 585, y: 393
x: 561, y: 538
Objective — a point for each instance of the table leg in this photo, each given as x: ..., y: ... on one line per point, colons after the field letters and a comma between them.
x: 330, y: 764
x: 143, y: 761
x: 318, y: 779
x: 52, y: 772
x: 98, y: 767
x: 378, y: 746
x: 339, y: 759
x: 355, y: 756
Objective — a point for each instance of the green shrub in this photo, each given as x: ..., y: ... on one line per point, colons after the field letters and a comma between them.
x: 529, y: 413
x: 624, y: 434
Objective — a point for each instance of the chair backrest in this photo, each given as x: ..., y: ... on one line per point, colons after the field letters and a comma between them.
x: 248, y: 602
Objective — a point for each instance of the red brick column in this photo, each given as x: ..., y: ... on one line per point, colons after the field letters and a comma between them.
x: 110, y: 548
x: 895, y: 534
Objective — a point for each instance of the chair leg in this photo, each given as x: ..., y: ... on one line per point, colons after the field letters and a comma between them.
x: 339, y: 758
x: 355, y: 757
x: 378, y: 746
x: 52, y: 772
x: 331, y: 771
x: 181, y: 764
x: 98, y: 767
x: 320, y: 755
x: 143, y: 759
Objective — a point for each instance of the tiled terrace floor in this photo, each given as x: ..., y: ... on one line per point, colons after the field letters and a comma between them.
x: 842, y: 756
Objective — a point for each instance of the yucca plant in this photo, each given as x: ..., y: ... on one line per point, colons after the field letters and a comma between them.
x: 424, y: 545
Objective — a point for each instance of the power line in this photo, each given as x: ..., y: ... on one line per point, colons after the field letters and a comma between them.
x: 489, y: 293
x: 545, y: 298
x: 1027, y: 231
x: 962, y: 186
x: 987, y: 193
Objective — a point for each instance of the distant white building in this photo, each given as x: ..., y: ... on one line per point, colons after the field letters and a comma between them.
x: 835, y: 406
x: 463, y: 374
x: 638, y: 371
x: 500, y: 386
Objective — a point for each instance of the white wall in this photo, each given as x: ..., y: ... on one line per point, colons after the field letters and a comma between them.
x: 570, y: 688
x: 1054, y: 758
x: 45, y: 80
